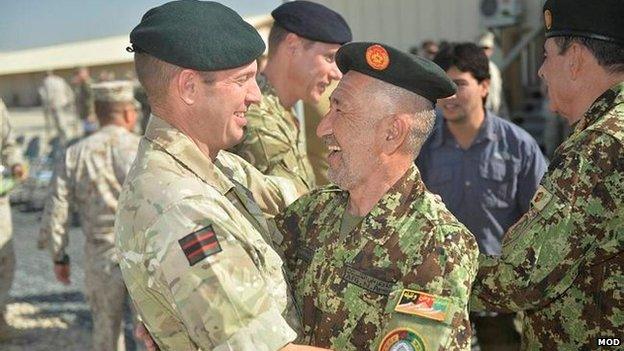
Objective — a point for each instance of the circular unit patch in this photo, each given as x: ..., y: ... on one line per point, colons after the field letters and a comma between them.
x: 377, y: 57
x: 402, y: 339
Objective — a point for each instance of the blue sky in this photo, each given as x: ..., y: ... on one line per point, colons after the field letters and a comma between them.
x: 32, y: 23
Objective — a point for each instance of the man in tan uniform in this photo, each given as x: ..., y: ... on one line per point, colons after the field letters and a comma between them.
x: 89, y: 179
x: 317, y: 150
x: 10, y: 163
x: 195, y: 248
x: 302, y: 44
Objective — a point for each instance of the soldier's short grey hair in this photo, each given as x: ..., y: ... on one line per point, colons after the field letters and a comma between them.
x: 394, y: 100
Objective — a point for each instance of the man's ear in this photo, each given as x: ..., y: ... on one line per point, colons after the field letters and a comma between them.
x: 485, y: 88
x: 187, y: 85
x: 575, y: 60
x: 292, y: 43
x: 395, y: 130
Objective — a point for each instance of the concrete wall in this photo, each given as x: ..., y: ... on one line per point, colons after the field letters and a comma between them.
x: 406, y: 23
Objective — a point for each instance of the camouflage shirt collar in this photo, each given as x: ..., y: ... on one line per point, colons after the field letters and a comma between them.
x: 394, y: 203
x: 609, y: 99
x: 265, y: 87
x: 184, y: 151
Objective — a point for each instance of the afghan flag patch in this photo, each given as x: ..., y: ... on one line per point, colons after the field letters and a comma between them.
x: 200, y: 244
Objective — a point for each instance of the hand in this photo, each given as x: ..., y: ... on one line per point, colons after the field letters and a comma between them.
x: 18, y: 172
x: 141, y: 334
x: 62, y: 273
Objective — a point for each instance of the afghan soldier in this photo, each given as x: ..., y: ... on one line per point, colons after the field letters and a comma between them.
x: 378, y: 262
x: 563, y: 262
x: 302, y: 44
x: 11, y: 160
x: 89, y: 179
x: 195, y: 247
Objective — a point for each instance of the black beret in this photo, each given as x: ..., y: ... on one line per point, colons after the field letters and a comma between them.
x: 200, y: 35
x: 312, y: 21
x: 602, y: 20
x: 390, y: 65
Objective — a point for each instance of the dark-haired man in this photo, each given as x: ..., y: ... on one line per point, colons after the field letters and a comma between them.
x: 562, y: 262
x: 300, y: 66
x: 485, y: 168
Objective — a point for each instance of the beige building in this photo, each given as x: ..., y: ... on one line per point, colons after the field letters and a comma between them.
x: 21, y: 72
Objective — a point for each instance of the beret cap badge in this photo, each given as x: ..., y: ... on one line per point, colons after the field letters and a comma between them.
x: 377, y: 57
x: 548, y: 19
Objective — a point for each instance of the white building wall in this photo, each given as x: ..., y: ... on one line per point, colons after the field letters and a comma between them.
x: 406, y: 23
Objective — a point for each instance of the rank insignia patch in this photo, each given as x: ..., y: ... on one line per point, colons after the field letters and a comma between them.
x: 200, y: 244
x: 377, y: 57
x: 402, y: 339
x: 423, y: 305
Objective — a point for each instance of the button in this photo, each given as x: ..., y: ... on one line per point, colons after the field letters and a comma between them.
x: 467, y: 183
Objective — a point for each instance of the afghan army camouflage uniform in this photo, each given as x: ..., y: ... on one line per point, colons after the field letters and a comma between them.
x: 349, y: 288
x: 273, y: 142
x: 563, y: 262
x: 89, y: 179
x: 9, y: 156
x: 195, y: 248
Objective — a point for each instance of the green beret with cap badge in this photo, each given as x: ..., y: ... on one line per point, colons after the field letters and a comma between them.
x: 199, y: 35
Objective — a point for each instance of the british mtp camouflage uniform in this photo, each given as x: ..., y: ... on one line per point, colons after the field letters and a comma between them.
x: 349, y: 288
x: 195, y: 248
x: 273, y: 141
x: 89, y: 179
x: 9, y: 156
x: 317, y: 151
x: 563, y: 262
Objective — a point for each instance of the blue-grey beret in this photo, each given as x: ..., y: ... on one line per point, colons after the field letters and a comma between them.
x: 312, y: 21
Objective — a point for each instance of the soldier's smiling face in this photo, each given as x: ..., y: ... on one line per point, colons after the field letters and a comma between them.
x: 350, y: 130
x: 227, y: 96
x: 314, y: 68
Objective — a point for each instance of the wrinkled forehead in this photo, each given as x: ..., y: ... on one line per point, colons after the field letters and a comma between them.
x: 352, y: 86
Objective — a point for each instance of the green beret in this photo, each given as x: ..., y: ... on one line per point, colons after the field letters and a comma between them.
x: 602, y: 20
x: 390, y: 65
x: 200, y: 35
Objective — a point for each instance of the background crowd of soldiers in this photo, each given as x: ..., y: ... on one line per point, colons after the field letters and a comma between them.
x: 486, y: 170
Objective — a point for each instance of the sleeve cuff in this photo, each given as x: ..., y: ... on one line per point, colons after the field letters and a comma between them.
x: 267, y: 332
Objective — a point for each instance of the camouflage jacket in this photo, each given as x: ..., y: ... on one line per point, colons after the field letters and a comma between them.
x: 351, y: 291
x: 195, y: 251
x: 89, y: 179
x: 563, y: 262
x: 273, y: 141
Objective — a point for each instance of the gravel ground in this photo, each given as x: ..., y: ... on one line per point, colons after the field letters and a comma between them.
x: 48, y: 315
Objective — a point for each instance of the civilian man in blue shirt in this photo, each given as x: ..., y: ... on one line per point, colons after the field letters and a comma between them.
x: 485, y: 169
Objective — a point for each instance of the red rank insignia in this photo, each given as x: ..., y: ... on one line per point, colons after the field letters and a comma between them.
x: 200, y: 244
x: 377, y: 57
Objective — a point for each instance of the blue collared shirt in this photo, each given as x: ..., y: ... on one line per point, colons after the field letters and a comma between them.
x: 489, y: 186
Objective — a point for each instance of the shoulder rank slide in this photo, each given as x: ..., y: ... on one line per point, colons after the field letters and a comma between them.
x: 423, y: 305
x: 200, y: 244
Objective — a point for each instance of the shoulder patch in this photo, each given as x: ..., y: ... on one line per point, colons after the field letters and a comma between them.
x: 200, y: 244
x: 423, y: 305
x: 402, y: 339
